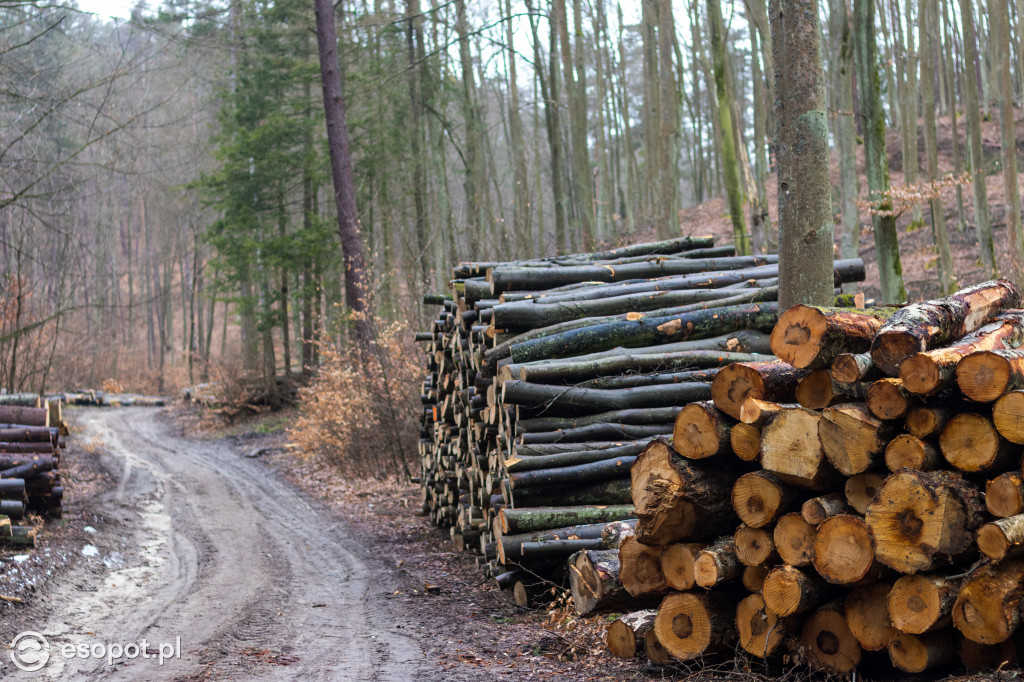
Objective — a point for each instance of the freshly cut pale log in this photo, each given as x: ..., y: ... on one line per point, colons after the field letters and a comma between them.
x: 812, y: 337
x: 921, y: 326
x: 930, y: 372
x: 594, y: 581
x: 889, y: 399
x: 818, y: 390
x: 677, y: 499
x: 759, y: 498
x: 918, y: 517
x: 717, y: 563
x: 655, y: 652
x: 817, y: 509
x: 917, y: 653
x: 790, y: 448
x: 771, y: 381
x: 761, y: 632
x: 928, y: 420
x: 976, y: 657
x: 745, y: 440
x: 534, y: 519
x: 787, y: 591
x: 853, y: 439
x: 640, y: 568
x: 828, y: 641
x: 910, y: 452
x: 842, y: 550
x: 597, y: 432
x: 754, y: 546
x: 753, y: 578
x: 701, y: 431
x: 689, y: 624
x: 971, y: 443
x: 985, y: 375
x: 1008, y: 416
x: 851, y: 367
x: 571, y: 400
x: 677, y: 564
x: 923, y: 602
x: 626, y: 633
x: 861, y: 489
x: 794, y: 539
x: 987, y: 608
x: 1002, y: 537
x: 629, y: 361
x: 1004, y: 495
x: 867, y: 614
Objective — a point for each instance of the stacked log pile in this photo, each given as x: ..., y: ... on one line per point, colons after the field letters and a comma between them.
x: 547, y: 378
x: 31, y: 442
x: 862, y: 493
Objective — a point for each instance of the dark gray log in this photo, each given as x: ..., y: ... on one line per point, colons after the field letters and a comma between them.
x: 654, y: 415
x: 614, y: 468
x: 597, y: 432
x: 571, y: 458
x: 557, y: 400
x: 576, y: 369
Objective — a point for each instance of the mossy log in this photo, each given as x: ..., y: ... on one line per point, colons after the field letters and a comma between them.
x: 515, y: 521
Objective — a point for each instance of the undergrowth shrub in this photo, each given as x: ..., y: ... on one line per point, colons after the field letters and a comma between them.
x: 360, y: 415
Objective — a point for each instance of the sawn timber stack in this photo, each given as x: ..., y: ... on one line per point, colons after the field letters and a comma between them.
x: 546, y: 378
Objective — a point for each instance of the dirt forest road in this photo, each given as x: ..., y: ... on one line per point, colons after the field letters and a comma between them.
x: 203, y: 544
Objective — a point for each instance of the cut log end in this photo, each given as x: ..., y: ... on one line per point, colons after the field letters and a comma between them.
x: 867, y: 614
x: 917, y: 603
x: 760, y: 631
x: 759, y: 498
x: 828, y: 641
x: 842, y: 549
x: 985, y: 375
x: 1004, y: 495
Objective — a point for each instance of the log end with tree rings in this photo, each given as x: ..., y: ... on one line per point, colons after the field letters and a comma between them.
x: 745, y: 440
x: 1004, y: 495
x: 717, y: 563
x: 760, y: 631
x: 867, y: 614
x: 794, y: 539
x: 987, y: 608
x: 1008, y: 416
x: 677, y: 564
x: 921, y: 374
x: 787, y: 591
x: 700, y: 431
x: 917, y: 653
x: 850, y: 367
x: 654, y: 650
x: 640, y: 568
x: 888, y: 399
x: 927, y: 420
x: 817, y: 509
x: 888, y: 350
x: 690, y: 624
x: 852, y: 437
x: 919, y: 603
x: 986, y: 375
x: 910, y: 452
x: 842, y: 549
x: 829, y: 643
x: 861, y: 489
x: 971, y: 443
x: 753, y: 578
x: 796, y: 338
x: 625, y: 637
x: 1002, y: 537
x: 759, y: 498
x: 754, y: 546
x: 816, y: 390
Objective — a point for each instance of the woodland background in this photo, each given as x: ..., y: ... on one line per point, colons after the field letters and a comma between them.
x: 166, y: 209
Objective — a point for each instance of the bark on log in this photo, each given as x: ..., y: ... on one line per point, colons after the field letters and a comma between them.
x: 889, y: 399
x: 854, y: 367
x: 794, y: 539
x: 922, y: 326
x: 594, y: 582
x: 515, y: 521
x: 701, y: 431
x: 25, y: 416
x: 640, y: 568
x: 971, y: 443
x: 690, y: 624
x: 842, y: 550
x: 910, y: 452
x: 867, y: 615
x: 977, y: 657
x: 773, y: 381
x: 790, y: 448
x: 987, y: 608
x: 852, y: 438
x: 637, y: 417
x: 1004, y: 495
x: 761, y: 632
x: 828, y: 642
x: 676, y: 499
x: 615, y: 491
x: 986, y: 375
x: 817, y: 509
x: 1008, y: 416
x: 626, y: 633
x: 596, y: 432
x: 760, y: 412
x: 572, y: 475
x: 932, y: 371
x: 918, y: 518
x: 628, y: 362
x: 677, y: 564
x: 788, y: 591
x: 754, y: 546
x: 29, y: 434
x: 717, y: 563
x: 570, y: 400
x: 521, y: 460
x: 654, y: 379
x: 759, y: 498
x: 811, y: 337
x: 923, y: 602
x: 1002, y: 538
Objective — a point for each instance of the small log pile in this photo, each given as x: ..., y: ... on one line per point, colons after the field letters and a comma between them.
x: 547, y: 378
x: 862, y: 493
x: 31, y: 442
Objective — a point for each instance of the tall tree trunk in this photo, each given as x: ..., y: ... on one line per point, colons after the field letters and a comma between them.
x: 414, y: 39
x: 949, y: 53
x: 730, y: 162
x: 928, y: 24
x: 976, y: 163
x: 668, y: 200
x: 1000, y: 17
x: 356, y: 294
x: 521, y: 223
x: 845, y: 128
x: 759, y: 198
x: 890, y: 269
x: 911, y: 162
x: 801, y: 140
x: 654, y: 152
